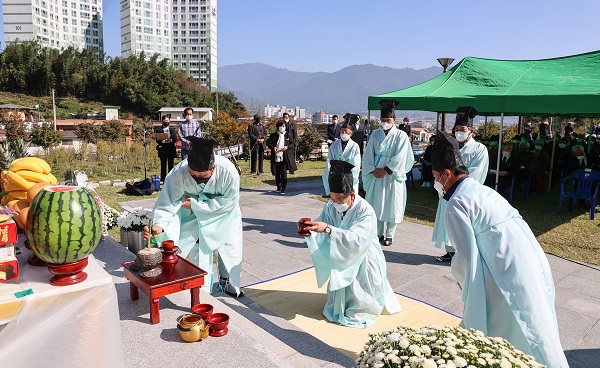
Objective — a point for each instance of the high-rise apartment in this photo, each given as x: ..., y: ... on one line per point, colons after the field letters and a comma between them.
x: 185, y: 32
x: 55, y: 23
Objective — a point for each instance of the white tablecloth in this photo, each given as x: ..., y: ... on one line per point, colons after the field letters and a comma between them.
x: 61, y: 326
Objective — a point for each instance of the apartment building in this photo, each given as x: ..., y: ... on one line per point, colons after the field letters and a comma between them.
x: 146, y: 26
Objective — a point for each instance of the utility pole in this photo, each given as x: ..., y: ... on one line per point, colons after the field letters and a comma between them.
x: 54, y: 109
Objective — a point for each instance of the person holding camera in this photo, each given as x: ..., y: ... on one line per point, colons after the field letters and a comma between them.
x: 166, y: 137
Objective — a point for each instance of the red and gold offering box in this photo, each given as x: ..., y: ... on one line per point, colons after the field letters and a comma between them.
x: 9, y: 270
x: 8, y: 232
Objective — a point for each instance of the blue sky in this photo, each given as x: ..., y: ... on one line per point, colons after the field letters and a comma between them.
x: 328, y: 35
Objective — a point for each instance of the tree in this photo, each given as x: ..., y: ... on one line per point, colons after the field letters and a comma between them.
x: 87, y: 132
x: 15, y: 130
x: 227, y: 130
x: 308, y: 142
x: 112, y: 131
x: 493, y: 128
x: 46, y: 137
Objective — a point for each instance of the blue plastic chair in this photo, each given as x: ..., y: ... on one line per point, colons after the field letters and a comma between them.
x: 509, y: 191
x: 409, y: 175
x: 588, y: 183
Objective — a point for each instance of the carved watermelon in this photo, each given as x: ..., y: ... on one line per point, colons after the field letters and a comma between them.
x: 64, y: 224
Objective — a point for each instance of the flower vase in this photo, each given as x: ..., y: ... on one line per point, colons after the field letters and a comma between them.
x: 124, y: 238
x: 135, y: 241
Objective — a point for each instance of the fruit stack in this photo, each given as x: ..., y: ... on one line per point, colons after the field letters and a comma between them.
x: 9, y: 266
x: 22, y: 174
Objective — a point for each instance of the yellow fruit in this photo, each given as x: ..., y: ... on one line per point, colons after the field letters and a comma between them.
x: 52, y: 178
x: 35, y: 189
x: 12, y: 203
x: 10, y: 186
x: 4, y: 200
x: 21, y: 217
x: 43, y: 164
x: 21, y: 164
x: 33, y: 176
x: 22, y: 203
x: 17, y: 179
x: 18, y: 194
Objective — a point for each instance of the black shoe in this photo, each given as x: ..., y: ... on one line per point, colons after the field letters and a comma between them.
x: 325, y: 196
x: 387, y: 242
x: 230, y: 290
x: 381, y: 239
x: 445, y: 258
x: 278, y: 189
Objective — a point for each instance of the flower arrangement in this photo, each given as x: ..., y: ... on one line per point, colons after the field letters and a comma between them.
x: 441, y: 347
x: 134, y: 220
x: 109, y: 216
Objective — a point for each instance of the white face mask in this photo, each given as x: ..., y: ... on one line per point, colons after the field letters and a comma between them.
x: 345, y: 137
x: 505, y: 154
x: 286, y: 120
x: 334, y: 121
x: 189, y: 117
x: 580, y: 157
x: 461, y: 136
x: 341, y: 207
x: 386, y: 126
x: 281, y: 129
x: 440, y: 187
x: 562, y: 145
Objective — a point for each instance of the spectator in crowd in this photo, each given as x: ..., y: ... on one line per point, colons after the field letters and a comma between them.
x: 405, y: 127
x: 282, y: 159
x: 344, y: 248
x: 539, y: 179
x: 187, y: 128
x: 508, y: 168
x: 544, y: 129
x: 258, y: 134
x: 290, y: 127
x: 562, y: 156
x: 357, y: 126
x: 569, y: 129
x: 333, y: 130
x: 579, y: 160
x: 344, y: 149
x: 388, y: 157
x: 525, y: 160
x: 475, y: 157
x: 505, y: 278
x: 528, y: 129
x: 427, y: 173
x: 166, y: 146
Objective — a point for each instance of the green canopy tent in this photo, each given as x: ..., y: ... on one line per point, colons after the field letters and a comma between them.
x: 565, y: 86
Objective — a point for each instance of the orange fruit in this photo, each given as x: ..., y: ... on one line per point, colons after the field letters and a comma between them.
x: 35, y: 189
x: 21, y: 217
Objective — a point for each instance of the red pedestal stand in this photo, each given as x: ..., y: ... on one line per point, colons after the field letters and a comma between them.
x: 69, y: 273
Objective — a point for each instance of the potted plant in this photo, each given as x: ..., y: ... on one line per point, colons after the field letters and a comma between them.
x: 132, y: 225
x: 440, y: 346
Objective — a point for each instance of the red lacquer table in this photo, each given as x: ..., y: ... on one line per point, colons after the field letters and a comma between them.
x: 184, y: 275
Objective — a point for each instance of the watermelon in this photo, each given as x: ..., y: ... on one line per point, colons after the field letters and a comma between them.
x: 64, y: 224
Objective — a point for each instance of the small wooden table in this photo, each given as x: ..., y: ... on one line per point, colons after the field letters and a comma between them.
x: 184, y: 275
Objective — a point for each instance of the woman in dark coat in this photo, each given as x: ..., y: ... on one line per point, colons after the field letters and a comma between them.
x: 166, y: 147
x: 282, y: 146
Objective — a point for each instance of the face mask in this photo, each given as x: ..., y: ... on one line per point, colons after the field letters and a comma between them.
x: 538, y: 148
x: 189, y: 117
x: 505, y: 153
x: 201, y: 180
x: 523, y: 140
x: 386, y: 126
x: 345, y: 137
x: 439, y: 187
x: 580, y: 157
x: 461, y: 136
x: 165, y: 124
x: 334, y: 121
x: 562, y: 145
x: 281, y: 129
x: 341, y: 207
x: 286, y: 120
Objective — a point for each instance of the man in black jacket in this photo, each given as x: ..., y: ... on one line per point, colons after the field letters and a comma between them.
x: 257, y: 133
x: 333, y: 130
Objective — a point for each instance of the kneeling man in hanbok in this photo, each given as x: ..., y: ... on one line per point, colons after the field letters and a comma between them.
x: 345, y: 249
x: 505, y: 277
x: 199, y: 209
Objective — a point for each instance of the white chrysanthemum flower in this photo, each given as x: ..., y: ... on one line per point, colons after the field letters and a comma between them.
x: 404, y: 343
x: 460, y: 362
x: 379, y: 356
x: 481, y: 362
x: 504, y: 363
x: 394, y: 337
x: 429, y: 363
x: 451, y: 350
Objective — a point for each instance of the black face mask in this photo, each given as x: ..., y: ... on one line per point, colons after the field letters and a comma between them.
x: 201, y: 180
x: 165, y: 124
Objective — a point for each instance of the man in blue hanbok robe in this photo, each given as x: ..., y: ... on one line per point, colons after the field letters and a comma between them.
x: 344, y: 149
x: 345, y: 249
x: 387, y: 159
x: 475, y: 157
x: 505, y: 277
x: 198, y: 208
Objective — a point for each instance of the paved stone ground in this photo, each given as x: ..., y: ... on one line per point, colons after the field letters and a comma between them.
x: 272, y: 249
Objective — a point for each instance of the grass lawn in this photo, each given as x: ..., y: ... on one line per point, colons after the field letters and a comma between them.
x: 569, y: 235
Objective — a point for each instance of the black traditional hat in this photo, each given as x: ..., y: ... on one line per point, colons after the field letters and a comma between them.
x: 465, y: 115
x: 387, y: 108
x: 445, y: 153
x: 350, y: 119
x: 201, y: 156
x: 340, y: 177
x: 257, y: 117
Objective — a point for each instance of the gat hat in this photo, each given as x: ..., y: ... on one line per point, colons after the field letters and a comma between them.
x: 201, y: 156
x: 256, y: 117
x: 387, y: 108
x: 445, y: 153
x: 350, y: 119
x: 465, y: 115
x: 340, y: 177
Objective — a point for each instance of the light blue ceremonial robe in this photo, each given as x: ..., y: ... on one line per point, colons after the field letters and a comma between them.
x: 507, y: 286
x: 475, y: 157
x: 351, y: 154
x: 387, y: 195
x: 352, y: 260
x: 215, y: 218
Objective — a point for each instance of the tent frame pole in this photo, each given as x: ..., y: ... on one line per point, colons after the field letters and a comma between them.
x: 499, y: 151
x: 554, y: 139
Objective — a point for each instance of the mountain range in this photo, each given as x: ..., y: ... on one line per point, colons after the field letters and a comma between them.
x: 346, y: 90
